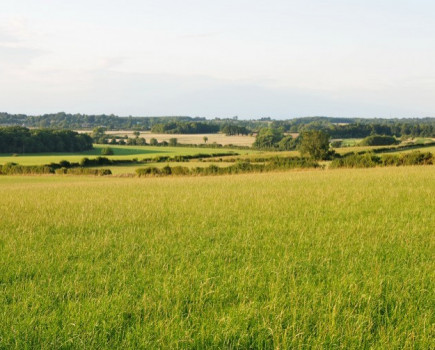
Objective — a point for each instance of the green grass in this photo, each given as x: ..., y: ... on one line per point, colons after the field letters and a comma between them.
x: 120, y: 152
x: 303, y: 259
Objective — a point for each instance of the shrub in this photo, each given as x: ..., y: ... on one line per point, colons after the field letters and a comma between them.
x: 64, y: 164
x: 240, y: 166
x: 85, y: 162
x: 107, y: 151
x: 151, y: 171
x: 180, y: 170
x: 369, y: 160
x: 87, y: 171
x: 416, y: 158
x: 378, y: 140
x: 15, y: 169
x: 166, y: 170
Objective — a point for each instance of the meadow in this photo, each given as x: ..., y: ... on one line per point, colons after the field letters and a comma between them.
x: 301, y: 259
x: 120, y: 152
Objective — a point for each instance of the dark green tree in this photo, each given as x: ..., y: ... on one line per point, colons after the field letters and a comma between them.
x: 268, y: 138
x: 107, y: 151
x: 316, y: 144
x: 173, y: 141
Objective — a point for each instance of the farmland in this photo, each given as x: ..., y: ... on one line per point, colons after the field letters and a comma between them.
x: 237, y: 140
x: 135, y: 157
x: 120, y: 152
x: 313, y: 258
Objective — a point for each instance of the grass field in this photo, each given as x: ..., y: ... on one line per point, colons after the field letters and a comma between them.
x: 120, y: 152
x: 301, y: 259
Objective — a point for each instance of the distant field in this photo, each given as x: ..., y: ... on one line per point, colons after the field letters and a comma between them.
x: 350, y: 142
x: 344, y: 150
x: 121, y: 152
x: 304, y: 259
x: 422, y: 149
x: 222, y: 139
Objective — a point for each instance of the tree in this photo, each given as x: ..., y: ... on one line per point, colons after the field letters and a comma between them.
x: 153, y: 142
x: 316, y: 144
x: 140, y: 141
x: 205, y: 138
x: 98, y: 132
x: 173, y: 142
x: 287, y: 143
x: 17, y: 139
x: 378, y: 140
x: 136, y: 133
x: 268, y: 138
x: 107, y: 151
x: 337, y: 143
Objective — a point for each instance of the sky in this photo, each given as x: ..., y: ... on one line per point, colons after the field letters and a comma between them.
x: 226, y: 58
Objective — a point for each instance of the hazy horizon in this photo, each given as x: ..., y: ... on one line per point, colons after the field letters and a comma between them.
x: 283, y: 59
x: 213, y: 118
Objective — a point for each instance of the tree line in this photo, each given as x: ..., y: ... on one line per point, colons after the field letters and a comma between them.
x: 370, y: 160
x: 335, y: 127
x: 273, y: 164
x: 185, y: 128
x: 17, y: 139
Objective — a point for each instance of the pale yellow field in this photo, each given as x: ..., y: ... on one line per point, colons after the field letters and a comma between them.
x: 190, y: 138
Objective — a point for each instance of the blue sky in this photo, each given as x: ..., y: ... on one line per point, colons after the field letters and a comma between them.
x: 252, y: 59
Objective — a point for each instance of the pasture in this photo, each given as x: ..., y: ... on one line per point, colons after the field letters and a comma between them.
x: 301, y: 259
x: 120, y: 152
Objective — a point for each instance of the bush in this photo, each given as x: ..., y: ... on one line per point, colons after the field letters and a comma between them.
x: 84, y: 171
x: 107, y: 151
x: 15, y: 169
x: 85, y: 162
x: 416, y: 158
x: 369, y: 160
x: 151, y: 171
x: 180, y: 170
x: 166, y: 170
x: 64, y: 164
x: 378, y: 140
x: 240, y: 166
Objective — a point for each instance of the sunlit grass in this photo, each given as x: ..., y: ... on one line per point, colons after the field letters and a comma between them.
x: 304, y: 259
x: 120, y: 152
